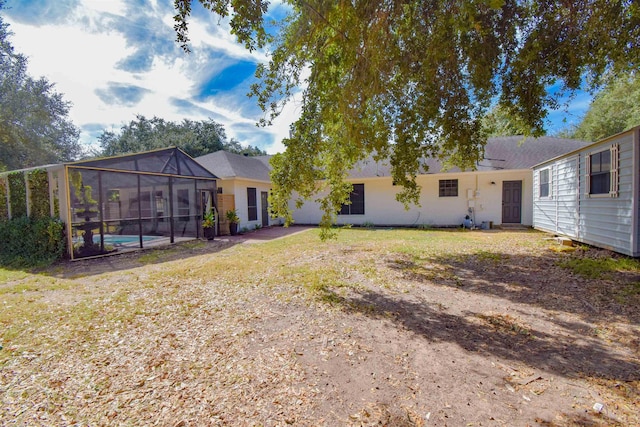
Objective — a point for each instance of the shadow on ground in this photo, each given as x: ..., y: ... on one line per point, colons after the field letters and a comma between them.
x: 534, y: 280
x: 134, y: 259
x: 560, y: 354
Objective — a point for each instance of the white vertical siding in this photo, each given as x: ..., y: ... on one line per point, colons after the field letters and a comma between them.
x: 566, y: 196
x: 557, y: 213
x: 607, y: 221
x: 635, y: 189
x: 545, y: 208
x: 601, y: 220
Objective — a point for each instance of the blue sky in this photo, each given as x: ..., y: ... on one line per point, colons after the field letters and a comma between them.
x: 113, y: 59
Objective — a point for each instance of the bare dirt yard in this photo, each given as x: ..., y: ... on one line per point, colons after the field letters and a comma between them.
x: 377, y: 328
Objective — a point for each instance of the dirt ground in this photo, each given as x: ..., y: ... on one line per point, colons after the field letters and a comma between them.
x: 354, y: 332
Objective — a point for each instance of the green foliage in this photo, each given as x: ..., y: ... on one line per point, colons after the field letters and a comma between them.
x: 83, y: 193
x: 209, y: 220
x: 595, y: 268
x: 500, y: 122
x: 613, y: 110
x: 232, y: 216
x: 56, y: 195
x: 29, y: 242
x: 407, y: 80
x: 194, y: 138
x: 628, y: 292
x: 34, y: 124
x: 4, y: 202
x: 17, y: 194
x: 39, y: 193
x: 246, y: 20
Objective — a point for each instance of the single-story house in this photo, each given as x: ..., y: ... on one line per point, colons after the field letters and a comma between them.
x: 499, y: 191
x: 246, y: 179
x: 591, y: 194
x: 116, y: 203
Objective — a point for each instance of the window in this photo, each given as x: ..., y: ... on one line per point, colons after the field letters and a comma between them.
x: 141, y: 207
x: 252, y: 204
x: 356, y: 199
x: 145, y: 204
x: 448, y: 188
x: 600, y: 178
x: 544, y: 183
x: 183, y: 205
x: 113, y: 195
x: 159, y: 204
x: 602, y: 172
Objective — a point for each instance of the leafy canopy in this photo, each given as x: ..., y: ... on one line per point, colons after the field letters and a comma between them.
x: 499, y: 122
x: 407, y: 79
x: 194, y: 138
x: 34, y: 124
x: 613, y: 110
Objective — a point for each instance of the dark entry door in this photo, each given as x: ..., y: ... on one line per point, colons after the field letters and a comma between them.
x: 264, y: 196
x: 511, y: 201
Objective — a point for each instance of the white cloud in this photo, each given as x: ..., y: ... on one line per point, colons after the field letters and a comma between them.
x: 83, y: 55
x: 115, y: 7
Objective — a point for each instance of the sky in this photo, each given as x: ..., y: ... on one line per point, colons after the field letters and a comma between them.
x: 115, y: 59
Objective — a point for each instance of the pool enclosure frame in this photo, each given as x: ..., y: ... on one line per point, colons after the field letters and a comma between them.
x: 131, y: 201
x: 157, y: 196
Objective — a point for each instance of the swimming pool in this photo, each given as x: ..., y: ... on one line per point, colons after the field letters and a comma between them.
x: 123, y: 240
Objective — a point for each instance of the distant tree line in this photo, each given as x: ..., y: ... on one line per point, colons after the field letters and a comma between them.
x: 196, y: 138
x: 614, y: 109
x: 34, y: 124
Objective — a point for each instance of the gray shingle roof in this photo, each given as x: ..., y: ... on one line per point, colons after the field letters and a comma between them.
x: 501, y: 153
x: 229, y: 165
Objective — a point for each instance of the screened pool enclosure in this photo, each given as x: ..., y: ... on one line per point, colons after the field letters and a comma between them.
x: 135, y: 201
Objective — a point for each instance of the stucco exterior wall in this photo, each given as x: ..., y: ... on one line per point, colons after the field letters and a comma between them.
x: 238, y: 187
x: 480, y: 191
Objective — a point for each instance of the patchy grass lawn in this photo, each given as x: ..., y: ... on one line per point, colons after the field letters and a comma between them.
x: 380, y: 327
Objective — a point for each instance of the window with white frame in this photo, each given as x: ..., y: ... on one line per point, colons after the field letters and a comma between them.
x: 544, y: 183
x: 448, y: 188
x: 602, y: 172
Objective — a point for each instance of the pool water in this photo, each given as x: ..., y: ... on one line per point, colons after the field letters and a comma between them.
x: 119, y: 240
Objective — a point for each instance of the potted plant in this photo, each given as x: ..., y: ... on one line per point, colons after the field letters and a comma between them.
x: 208, y: 224
x: 234, y: 220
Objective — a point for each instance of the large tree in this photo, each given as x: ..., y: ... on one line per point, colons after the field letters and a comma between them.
x: 499, y: 122
x: 408, y: 79
x: 614, y: 109
x: 196, y: 138
x: 34, y: 124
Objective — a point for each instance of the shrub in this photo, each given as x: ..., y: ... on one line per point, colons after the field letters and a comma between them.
x: 39, y: 193
x: 4, y: 205
x: 17, y: 194
x: 29, y: 242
